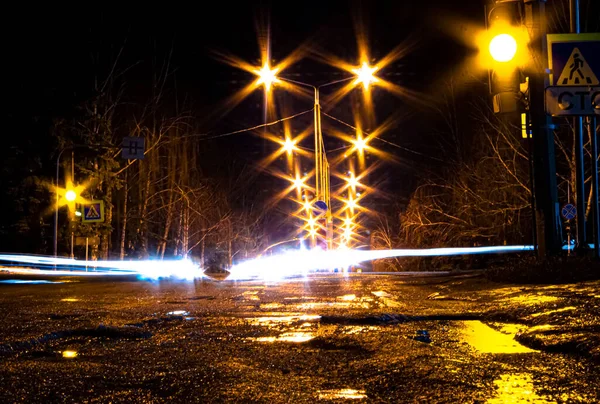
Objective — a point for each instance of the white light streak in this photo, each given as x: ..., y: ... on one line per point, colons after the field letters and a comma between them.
x: 147, y: 269
x: 292, y: 263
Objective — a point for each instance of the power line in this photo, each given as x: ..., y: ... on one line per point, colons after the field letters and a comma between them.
x: 382, y: 140
x: 257, y: 126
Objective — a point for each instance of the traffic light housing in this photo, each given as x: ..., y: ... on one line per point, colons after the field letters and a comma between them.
x: 504, y: 45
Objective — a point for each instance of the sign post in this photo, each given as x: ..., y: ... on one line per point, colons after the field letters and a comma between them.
x: 574, y: 61
x: 92, y: 212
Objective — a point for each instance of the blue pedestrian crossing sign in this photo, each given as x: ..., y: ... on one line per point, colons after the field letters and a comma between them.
x: 574, y: 59
x: 569, y: 211
x: 92, y: 212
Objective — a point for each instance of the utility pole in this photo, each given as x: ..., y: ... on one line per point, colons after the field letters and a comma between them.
x: 582, y: 243
x: 547, y: 210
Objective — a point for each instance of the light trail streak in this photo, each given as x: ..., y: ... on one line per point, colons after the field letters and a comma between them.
x: 292, y: 263
x: 302, y: 262
x: 146, y: 269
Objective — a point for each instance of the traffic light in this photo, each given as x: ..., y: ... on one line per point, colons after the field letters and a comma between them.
x: 505, y: 45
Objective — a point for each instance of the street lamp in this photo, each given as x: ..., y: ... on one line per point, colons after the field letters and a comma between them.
x: 71, y: 195
x: 365, y: 75
x: 503, y: 48
x: 266, y: 76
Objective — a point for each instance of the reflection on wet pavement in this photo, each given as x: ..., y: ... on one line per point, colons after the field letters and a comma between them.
x: 544, y: 313
x: 296, y: 336
x: 356, y: 329
x: 69, y: 299
x: 251, y: 295
x: 270, y: 320
x: 381, y: 293
x: 178, y: 313
x: 347, y: 297
x: 516, y: 388
x: 342, y: 393
x: 485, y: 339
x: 533, y: 299
x: 69, y: 354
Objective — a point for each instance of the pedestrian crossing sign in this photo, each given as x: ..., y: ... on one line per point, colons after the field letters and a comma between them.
x: 574, y: 59
x: 93, y: 212
x: 577, y: 72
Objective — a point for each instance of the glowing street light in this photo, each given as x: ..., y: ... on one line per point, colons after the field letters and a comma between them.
x: 289, y: 146
x: 360, y: 144
x: 71, y: 195
x: 266, y: 76
x: 365, y: 75
x: 298, y: 182
x: 503, y: 48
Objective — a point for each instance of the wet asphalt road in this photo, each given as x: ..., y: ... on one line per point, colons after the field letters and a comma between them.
x: 363, y: 338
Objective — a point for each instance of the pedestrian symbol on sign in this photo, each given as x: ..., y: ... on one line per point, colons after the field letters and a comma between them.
x: 93, y: 212
x: 577, y: 71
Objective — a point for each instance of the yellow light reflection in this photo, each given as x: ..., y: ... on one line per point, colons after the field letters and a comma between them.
x: 295, y: 337
x: 517, y: 388
x: 485, y: 339
x: 69, y: 354
x: 351, y: 394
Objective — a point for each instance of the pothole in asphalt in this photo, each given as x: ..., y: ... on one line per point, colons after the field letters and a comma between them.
x: 516, y: 388
x: 486, y: 339
x: 351, y: 394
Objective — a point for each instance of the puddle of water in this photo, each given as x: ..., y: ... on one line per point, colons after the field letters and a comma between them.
x: 545, y: 313
x: 516, y: 388
x: 356, y: 329
x: 270, y: 320
x: 178, y: 313
x: 341, y: 305
x: 534, y: 299
x: 300, y: 298
x: 541, y: 327
x: 30, y: 281
x: 251, y: 295
x: 347, y: 298
x: 342, y: 393
x: 69, y: 354
x: 69, y: 299
x: 485, y: 339
x: 271, y: 306
x: 381, y: 293
x: 296, y: 337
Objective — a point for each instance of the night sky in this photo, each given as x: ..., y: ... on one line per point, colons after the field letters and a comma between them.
x: 53, y: 55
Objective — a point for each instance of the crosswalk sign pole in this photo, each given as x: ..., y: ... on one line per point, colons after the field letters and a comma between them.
x: 582, y: 244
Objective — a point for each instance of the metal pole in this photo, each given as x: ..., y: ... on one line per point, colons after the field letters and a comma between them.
x: 70, y: 215
x: 582, y: 242
x: 55, y: 238
x: 532, y: 184
x: 546, y: 196
x: 86, y: 254
x: 595, y: 208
